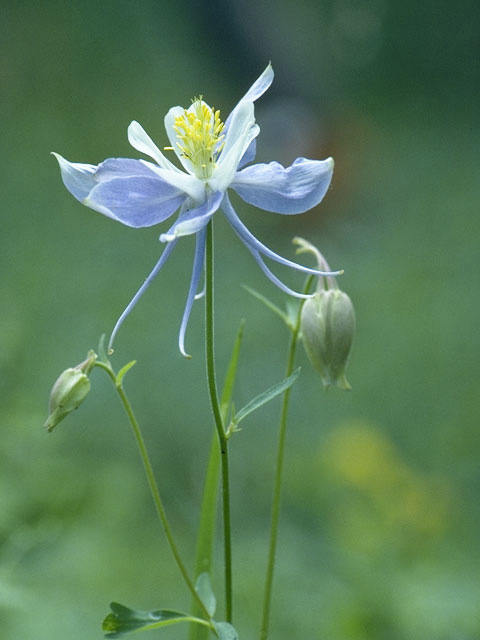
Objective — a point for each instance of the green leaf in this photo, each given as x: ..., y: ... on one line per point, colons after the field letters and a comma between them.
x: 123, y: 620
x: 123, y: 371
x: 231, y: 372
x: 225, y: 631
x: 269, y: 304
x: 203, y: 587
x: 266, y: 396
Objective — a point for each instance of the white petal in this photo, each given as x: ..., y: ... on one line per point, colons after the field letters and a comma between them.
x: 141, y: 141
x: 257, y: 89
x: 243, y: 119
x: 169, y: 121
x: 189, y: 184
x: 241, y: 132
x: 260, y: 85
x: 77, y: 177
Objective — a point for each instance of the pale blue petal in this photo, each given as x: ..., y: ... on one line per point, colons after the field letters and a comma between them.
x: 271, y: 276
x: 192, y: 220
x: 141, y: 141
x: 249, y: 155
x: 202, y: 293
x: 122, y: 168
x: 249, y: 239
x: 123, y: 189
x: 136, y: 201
x: 77, y: 177
x: 293, y: 190
x: 196, y: 272
x: 166, y: 252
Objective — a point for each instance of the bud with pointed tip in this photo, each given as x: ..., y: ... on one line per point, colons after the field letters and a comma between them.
x: 327, y: 324
x: 328, y: 328
x: 69, y: 391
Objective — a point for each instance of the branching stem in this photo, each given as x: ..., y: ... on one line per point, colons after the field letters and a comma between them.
x: 153, y: 486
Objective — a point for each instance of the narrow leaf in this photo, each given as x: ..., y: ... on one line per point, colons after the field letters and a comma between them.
x: 203, y: 587
x: 231, y: 372
x: 225, y: 631
x: 266, y: 396
x: 123, y: 371
x: 269, y: 304
x: 123, y: 620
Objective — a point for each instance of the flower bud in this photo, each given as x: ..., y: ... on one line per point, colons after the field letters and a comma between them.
x: 69, y: 391
x: 328, y: 328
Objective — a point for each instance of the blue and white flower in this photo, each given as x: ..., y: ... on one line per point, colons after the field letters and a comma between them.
x: 141, y: 193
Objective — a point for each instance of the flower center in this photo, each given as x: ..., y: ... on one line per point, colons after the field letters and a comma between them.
x: 199, y: 137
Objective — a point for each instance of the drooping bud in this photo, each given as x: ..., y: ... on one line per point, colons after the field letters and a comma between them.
x: 69, y: 391
x: 328, y: 328
x: 327, y: 324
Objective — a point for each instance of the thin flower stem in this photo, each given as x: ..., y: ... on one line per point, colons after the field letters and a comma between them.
x: 275, y: 515
x: 154, y: 488
x: 222, y: 438
x: 207, y: 528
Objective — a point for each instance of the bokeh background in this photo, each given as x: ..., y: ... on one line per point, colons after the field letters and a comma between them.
x: 381, y: 515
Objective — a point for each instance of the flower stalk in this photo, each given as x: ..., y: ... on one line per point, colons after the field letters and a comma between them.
x: 277, y: 490
x: 222, y: 438
x: 152, y: 483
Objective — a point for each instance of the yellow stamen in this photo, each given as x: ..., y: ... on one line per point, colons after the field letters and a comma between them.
x: 199, y: 137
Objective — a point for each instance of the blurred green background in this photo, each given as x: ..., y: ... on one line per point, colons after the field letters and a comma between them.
x: 381, y: 510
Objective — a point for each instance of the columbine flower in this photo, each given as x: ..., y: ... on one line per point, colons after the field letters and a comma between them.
x: 139, y: 193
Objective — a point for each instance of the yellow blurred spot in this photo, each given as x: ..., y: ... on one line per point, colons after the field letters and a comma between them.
x: 401, y: 499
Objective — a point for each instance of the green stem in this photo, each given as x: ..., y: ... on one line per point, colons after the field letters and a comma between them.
x: 154, y: 487
x: 207, y: 528
x: 275, y: 516
x: 208, y: 515
x: 222, y: 438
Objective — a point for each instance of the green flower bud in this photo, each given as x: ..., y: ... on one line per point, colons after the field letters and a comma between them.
x: 69, y: 391
x: 328, y: 328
